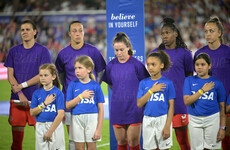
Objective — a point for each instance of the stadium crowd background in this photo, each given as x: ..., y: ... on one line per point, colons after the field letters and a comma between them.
x: 190, y: 16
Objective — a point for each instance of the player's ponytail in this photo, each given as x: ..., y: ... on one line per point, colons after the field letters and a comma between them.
x: 206, y: 57
x: 122, y: 37
x: 219, y: 25
x: 87, y: 62
x: 53, y: 72
x: 164, y: 58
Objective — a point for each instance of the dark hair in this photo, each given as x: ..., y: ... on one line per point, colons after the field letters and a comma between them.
x: 33, y: 25
x: 122, y: 37
x: 219, y: 25
x: 87, y: 62
x: 206, y: 57
x: 72, y: 22
x: 169, y: 22
x: 164, y: 58
x: 53, y: 71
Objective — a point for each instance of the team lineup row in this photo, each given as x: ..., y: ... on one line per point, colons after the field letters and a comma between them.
x: 154, y: 99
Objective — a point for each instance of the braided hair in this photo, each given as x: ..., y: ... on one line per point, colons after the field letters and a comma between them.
x: 169, y: 22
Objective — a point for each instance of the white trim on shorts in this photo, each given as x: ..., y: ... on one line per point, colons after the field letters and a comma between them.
x: 58, y: 137
x: 83, y: 127
x: 203, y: 131
x: 152, y: 133
x: 67, y: 120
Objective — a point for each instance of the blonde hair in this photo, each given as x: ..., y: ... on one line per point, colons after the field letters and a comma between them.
x: 53, y: 71
x: 87, y: 62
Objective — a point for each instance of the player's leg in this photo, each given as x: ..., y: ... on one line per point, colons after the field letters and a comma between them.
x: 121, y: 137
x: 17, y: 119
x: 226, y: 140
x: 79, y: 146
x: 91, y: 145
x: 180, y: 125
x: 133, y: 135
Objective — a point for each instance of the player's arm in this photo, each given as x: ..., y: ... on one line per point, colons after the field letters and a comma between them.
x: 189, y: 99
x: 97, y: 134
x: 86, y: 94
x: 30, y: 82
x: 166, y: 130
x: 228, y: 108
x: 55, y: 124
x: 11, y: 78
x: 37, y: 110
x: 99, y: 76
x: 221, y: 133
x: 155, y: 88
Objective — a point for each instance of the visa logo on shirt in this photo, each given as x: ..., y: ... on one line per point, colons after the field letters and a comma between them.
x: 87, y: 101
x: 50, y: 108
x: 206, y: 95
x: 157, y: 97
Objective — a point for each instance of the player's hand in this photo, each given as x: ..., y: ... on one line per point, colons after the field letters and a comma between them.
x: 49, y: 99
x: 208, y: 86
x: 47, y: 136
x: 97, y: 135
x: 166, y: 133
x: 87, y: 94
x: 23, y: 99
x: 220, y: 135
x: 158, y: 87
x: 16, y: 88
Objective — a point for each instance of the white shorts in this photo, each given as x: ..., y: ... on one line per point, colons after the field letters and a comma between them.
x: 58, y: 137
x: 67, y: 120
x: 152, y: 133
x: 83, y: 127
x: 203, y: 131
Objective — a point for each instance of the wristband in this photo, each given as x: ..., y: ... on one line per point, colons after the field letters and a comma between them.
x: 24, y: 85
x: 39, y: 107
x: 223, y: 127
x: 150, y: 92
x: 80, y: 97
x: 200, y: 91
x: 19, y: 93
x: 43, y: 105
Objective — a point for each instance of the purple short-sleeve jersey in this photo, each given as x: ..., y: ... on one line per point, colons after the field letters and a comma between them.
x: 182, y: 63
x: 26, y: 63
x: 220, y: 63
x: 66, y: 57
x: 124, y: 79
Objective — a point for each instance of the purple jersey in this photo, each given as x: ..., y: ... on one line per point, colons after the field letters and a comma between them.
x: 26, y: 63
x: 182, y: 63
x: 220, y: 63
x: 66, y: 57
x: 124, y: 79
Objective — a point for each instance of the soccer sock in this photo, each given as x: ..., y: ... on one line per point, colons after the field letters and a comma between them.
x: 71, y: 145
x: 122, y: 147
x: 226, y: 143
x: 17, y: 140
x: 138, y: 147
x: 182, y: 138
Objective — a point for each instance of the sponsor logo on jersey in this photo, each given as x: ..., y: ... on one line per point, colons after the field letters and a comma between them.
x: 87, y: 101
x: 157, y: 97
x: 206, y: 95
x: 50, y: 108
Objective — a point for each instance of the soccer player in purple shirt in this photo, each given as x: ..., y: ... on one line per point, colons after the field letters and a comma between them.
x: 123, y: 75
x: 66, y: 57
x: 23, y: 62
x: 220, y: 56
x: 182, y: 66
